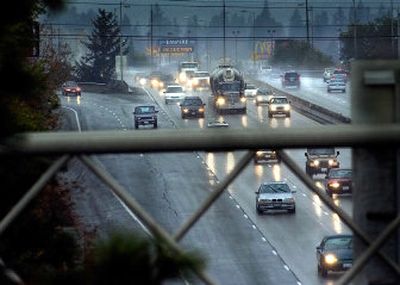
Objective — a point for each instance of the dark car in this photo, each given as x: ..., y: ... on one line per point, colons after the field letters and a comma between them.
x: 266, y: 155
x: 321, y: 160
x: 335, y: 253
x: 145, y: 115
x: 71, y: 87
x: 339, y: 181
x: 290, y: 79
x: 192, y: 106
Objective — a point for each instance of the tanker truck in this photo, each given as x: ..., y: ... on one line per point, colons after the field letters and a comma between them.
x: 227, y: 89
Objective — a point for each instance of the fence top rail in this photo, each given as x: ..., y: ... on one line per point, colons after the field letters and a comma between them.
x: 168, y: 140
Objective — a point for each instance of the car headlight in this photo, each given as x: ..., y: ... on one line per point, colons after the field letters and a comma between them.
x: 182, y: 76
x: 273, y: 108
x: 201, y: 109
x: 195, y: 81
x: 334, y: 184
x: 221, y: 101
x: 286, y: 107
x: 332, y: 162
x: 330, y: 259
x: 259, y: 153
x: 142, y: 81
x: 243, y: 99
x: 259, y: 98
x: 314, y: 163
x: 161, y: 85
x: 289, y: 200
x: 185, y: 110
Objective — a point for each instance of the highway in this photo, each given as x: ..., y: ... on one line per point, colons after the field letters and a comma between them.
x: 241, y: 246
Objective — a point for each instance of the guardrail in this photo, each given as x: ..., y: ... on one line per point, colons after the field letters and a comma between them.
x: 309, y: 109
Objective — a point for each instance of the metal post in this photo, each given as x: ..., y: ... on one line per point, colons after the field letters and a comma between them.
x: 254, y: 39
x: 376, y: 100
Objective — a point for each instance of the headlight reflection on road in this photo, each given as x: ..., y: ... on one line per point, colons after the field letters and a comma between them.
x: 273, y: 123
x: 230, y: 162
x: 201, y: 123
x: 211, y: 161
x: 276, y: 172
x: 317, y: 205
x: 244, y: 121
x: 78, y: 100
x: 287, y: 122
x: 260, y: 114
x: 259, y: 171
x: 337, y: 224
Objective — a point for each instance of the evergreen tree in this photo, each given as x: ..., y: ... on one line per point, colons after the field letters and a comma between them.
x: 296, y: 24
x: 103, y: 45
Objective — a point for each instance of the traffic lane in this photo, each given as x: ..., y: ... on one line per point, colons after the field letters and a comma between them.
x: 312, y: 211
x: 315, y: 91
x: 155, y: 180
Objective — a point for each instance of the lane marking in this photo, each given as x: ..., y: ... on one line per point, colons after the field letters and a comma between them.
x: 76, y: 117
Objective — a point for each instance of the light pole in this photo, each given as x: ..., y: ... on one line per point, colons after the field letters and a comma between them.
x: 236, y: 34
x: 224, y: 24
x: 355, y: 29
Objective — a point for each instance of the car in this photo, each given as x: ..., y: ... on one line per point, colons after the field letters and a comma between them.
x: 328, y: 71
x: 263, y: 96
x: 336, y: 85
x: 174, y: 93
x: 321, y: 160
x: 158, y: 79
x: 278, y: 105
x: 199, y: 80
x: 266, y: 155
x: 339, y: 181
x: 275, y: 195
x: 334, y: 253
x: 145, y: 115
x: 71, y: 87
x: 290, y: 79
x: 339, y: 73
x: 192, y: 106
x: 250, y: 90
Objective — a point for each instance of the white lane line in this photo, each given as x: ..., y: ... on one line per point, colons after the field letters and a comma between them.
x: 237, y: 206
x: 264, y: 239
x: 286, y: 267
x: 304, y: 195
x: 230, y: 197
x: 254, y: 227
x: 76, y: 117
x: 298, y: 283
x: 245, y: 216
x: 274, y: 252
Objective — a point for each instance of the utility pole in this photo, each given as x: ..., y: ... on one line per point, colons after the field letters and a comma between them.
x: 121, y: 68
x: 355, y: 29
x: 308, y: 23
x: 151, y: 35
x: 375, y: 100
x: 223, y: 17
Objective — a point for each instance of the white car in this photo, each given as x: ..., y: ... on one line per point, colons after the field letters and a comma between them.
x: 336, y: 85
x: 279, y: 105
x: 174, y: 93
x: 275, y: 195
x: 250, y: 90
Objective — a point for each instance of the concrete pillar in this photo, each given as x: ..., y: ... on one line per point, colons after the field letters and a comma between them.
x: 375, y: 99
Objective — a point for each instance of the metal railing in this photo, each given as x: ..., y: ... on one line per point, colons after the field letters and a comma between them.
x: 80, y: 145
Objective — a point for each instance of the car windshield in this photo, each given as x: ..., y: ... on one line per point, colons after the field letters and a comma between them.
x: 291, y: 75
x: 189, y: 65
x: 201, y: 74
x: 234, y: 86
x: 339, y: 242
x: 144, y: 109
x: 340, y: 173
x: 279, y: 101
x: 174, y: 89
x: 321, y: 151
x: 339, y: 72
x: 192, y: 102
x: 336, y: 82
x: 250, y: 86
x: 274, y: 188
x: 70, y: 84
